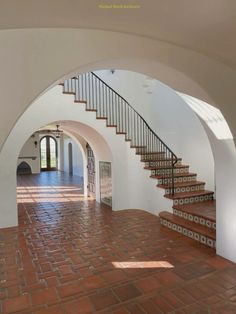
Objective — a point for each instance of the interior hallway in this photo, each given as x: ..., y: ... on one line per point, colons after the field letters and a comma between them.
x: 71, y: 255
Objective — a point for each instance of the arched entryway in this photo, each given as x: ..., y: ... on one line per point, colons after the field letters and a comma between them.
x: 79, y: 114
x: 48, y: 153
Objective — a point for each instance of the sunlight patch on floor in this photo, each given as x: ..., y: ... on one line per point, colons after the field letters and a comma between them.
x: 143, y: 264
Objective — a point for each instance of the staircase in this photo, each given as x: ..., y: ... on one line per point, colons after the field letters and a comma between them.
x: 193, y: 206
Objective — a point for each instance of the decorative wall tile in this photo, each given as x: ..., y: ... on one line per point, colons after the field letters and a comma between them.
x: 179, y: 229
x: 202, y: 221
x: 190, y: 217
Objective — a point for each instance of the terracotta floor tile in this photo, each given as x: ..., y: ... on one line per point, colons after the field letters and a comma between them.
x: 69, y: 289
x: 93, y: 282
x: 114, y: 276
x: 127, y: 292
x: 135, y: 309
x: 162, y: 305
x: 19, y: 303
x: 168, y: 278
x: 64, y: 252
x: 147, y: 284
x: 219, y: 262
x: 80, y: 306
x: 46, y: 296
x: 171, y: 299
x: 184, y: 296
x: 51, y: 310
x: 150, y: 307
x: 121, y: 311
x: 104, y: 299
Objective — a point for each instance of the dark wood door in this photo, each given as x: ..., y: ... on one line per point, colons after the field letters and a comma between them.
x: 91, y: 171
x: 48, y: 153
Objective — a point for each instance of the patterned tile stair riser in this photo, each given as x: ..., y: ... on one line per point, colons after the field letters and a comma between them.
x: 159, y: 172
x: 197, y: 219
x: 177, y: 179
x: 196, y: 187
x: 159, y: 163
x: 189, y: 233
x: 191, y: 200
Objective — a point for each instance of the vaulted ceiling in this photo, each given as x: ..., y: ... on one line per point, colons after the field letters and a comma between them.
x: 205, y: 26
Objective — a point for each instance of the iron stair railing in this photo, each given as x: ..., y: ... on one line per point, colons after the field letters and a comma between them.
x: 109, y: 105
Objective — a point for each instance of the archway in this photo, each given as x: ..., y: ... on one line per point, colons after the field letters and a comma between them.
x: 56, y: 89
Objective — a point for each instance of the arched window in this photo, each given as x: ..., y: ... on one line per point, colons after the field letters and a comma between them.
x: 48, y: 153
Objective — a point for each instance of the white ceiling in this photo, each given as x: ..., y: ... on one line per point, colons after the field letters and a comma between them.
x: 206, y: 26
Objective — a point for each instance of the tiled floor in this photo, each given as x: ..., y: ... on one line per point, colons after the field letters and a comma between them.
x: 70, y: 255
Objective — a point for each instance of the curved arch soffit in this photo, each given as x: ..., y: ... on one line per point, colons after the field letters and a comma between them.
x: 212, y: 116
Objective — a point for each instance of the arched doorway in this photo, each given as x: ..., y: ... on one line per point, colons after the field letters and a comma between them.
x: 48, y: 154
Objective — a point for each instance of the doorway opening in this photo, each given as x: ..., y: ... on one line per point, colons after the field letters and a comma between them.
x: 48, y: 153
x: 91, y: 171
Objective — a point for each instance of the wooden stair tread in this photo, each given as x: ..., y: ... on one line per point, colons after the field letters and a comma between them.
x: 181, y: 184
x: 165, y: 167
x: 205, y: 210
x: 69, y: 93
x: 211, y: 233
x: 188, y: 194
x: 176, y: 175
x: 101, y: 118
x: 157, y: 160
x: 91, y: 110
x: 149, y: 153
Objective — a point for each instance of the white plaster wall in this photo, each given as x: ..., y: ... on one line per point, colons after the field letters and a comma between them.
x: 170, y: 117
x: 77, y: 157
x: 29, y: 150
x: 224, y: 154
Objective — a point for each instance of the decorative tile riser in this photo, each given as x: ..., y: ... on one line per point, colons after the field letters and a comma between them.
x: 189, y: 233
x: 163, y: 181
x: 160, y: 163
x: 193, y: 218
x: 169, y: 171
x: 191, y: 200
x: 186, y: 189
